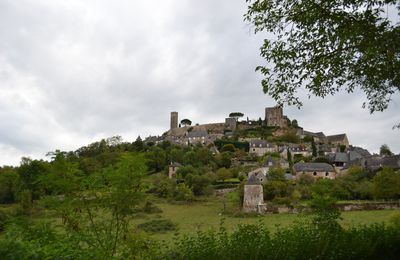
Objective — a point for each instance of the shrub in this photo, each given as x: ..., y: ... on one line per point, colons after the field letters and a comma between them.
x: 150, y: 208
x: 157, y: 226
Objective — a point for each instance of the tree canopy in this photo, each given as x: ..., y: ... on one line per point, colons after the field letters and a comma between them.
x: 328, y: 46
x: 186, y: 122
x: 236, y: 115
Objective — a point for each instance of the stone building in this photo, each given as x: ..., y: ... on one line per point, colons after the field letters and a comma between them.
x: 260, y: 147
x: 253, y: 199
x: 274, y: 117
x: 174, y: 120
x: 316, y: 170
x: 337, y: 140
x: 173, y: 167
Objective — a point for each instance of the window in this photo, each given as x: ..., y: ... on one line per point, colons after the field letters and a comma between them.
x: 315, y: 173
x: 327, y: 174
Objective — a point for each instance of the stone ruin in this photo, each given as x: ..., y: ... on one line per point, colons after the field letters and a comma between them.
x: 253, y: 199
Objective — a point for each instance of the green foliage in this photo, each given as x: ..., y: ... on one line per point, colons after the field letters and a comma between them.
x: 183, y: 193
x: 150, y: 208
x: 157, y: 226
x: 236, y: 115
x: 314, y: 148
x: 386, y: 184
x: 276, y: 174
x: 29, y: 172
x: 200, y: 184
x: 162, y: 186
x: 329, y: 188
x: 321, y: 160
x: 304, y: 240
x: 238, y: 145
x: 224, y: 159
x: 26, y: 202
x: 328, y: 46
x: 288, y: 137
x: 276, y: 189
x: 385, y: 150
x: 9, y: 185
x: 223, y: 174
x: 62, y: 177
x: 156, y: 159
x: 99, y: 218
x: 228, y: 148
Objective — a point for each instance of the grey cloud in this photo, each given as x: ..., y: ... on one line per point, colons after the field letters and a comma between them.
x: 75, y: 71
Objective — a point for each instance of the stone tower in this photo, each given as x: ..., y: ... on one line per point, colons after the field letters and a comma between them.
x: 174, y: 120
x: 253, y: 200
x: 274, y: 116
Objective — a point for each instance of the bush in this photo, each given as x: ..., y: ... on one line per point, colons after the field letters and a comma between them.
x: 183, y: 193
x: 157, y: 226
x: 150, y: 208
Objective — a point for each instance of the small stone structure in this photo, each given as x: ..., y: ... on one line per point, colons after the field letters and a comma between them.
x: 274, y: 117
x: 253, y: 200
x: 174, y: 120
x: 230, y: 123
x: 173, y: 167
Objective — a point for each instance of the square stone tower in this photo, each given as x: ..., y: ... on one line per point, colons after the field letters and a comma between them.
x: 274, y: 117
x: 174, y: 120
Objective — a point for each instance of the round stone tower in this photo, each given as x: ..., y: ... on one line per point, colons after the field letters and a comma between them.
x: 174, y: 120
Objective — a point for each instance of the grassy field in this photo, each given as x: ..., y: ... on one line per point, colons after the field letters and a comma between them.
x: 207, y: 214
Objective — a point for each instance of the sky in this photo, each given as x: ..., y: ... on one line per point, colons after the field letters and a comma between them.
x: 74, y: 72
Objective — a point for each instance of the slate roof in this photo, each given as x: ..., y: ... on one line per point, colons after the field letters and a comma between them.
x: 341, y: 157
x: 363, y: 152
x: 253, y: 180
x: 175, y: 164
x: 391, y: 161
x: 313, y: 167
x: 353, y: 155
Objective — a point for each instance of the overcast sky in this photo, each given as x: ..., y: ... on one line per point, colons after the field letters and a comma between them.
x: 73, y: 72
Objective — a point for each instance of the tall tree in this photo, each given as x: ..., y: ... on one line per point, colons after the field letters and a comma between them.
x: 385, y: 150
x: 236, y: 115
x: 326, y: 46
x: 186, y: 122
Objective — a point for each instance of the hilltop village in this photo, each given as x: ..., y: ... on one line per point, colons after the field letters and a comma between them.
x: 299, y: 151
x: 272, y: 142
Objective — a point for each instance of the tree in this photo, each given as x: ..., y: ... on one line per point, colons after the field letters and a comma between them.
x: 9, y: 184
x: 295, y: 123
x: 386, y: 184
x: 326, y: 46
x: 223, y: 174
x: 236, y: 115
x: 314, y: 148
x: 385, y: 150
x: 228, y: 148
x: 186, y: 122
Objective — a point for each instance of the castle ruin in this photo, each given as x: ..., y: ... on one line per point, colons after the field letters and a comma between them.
x: 274, y: 117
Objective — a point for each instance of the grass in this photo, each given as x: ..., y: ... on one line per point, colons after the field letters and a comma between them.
x: 208, y: 214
